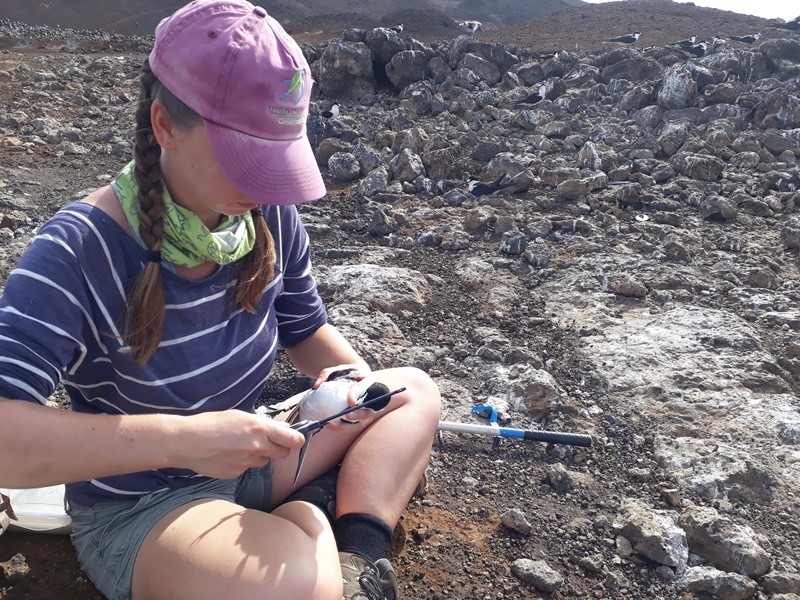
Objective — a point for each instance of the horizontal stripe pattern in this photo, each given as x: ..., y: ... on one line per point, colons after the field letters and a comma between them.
x: 61, y: 317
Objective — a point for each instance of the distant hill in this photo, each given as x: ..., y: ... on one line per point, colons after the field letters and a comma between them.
x: 660, y: 22
x: 139, y: 17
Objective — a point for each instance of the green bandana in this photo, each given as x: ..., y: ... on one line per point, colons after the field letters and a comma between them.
x: 186, y: 241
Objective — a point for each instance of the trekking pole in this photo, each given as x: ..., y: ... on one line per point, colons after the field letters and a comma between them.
x: 493, y: 429
x: 556, y: 437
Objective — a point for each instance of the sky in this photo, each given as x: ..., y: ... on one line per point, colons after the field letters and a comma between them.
x: 768, y: 9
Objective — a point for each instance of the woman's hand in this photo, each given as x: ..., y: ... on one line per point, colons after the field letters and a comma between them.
x: 224, y: 444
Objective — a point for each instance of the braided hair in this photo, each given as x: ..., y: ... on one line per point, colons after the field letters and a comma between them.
x: 145, y: 310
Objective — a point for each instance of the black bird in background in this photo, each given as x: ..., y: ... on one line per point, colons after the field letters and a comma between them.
x: 697, y: 49
x: 624, y: 39
x: 480, y: 188
x: 687, y: 43
x: 535, y: 97
x: 793, y: 25
x: 747, y: 39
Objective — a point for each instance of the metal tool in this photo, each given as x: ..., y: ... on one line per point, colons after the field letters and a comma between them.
x: 493, y: 429
x: 309, y: 428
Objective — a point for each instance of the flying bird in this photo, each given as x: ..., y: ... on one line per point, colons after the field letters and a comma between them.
x: 330, y: 114
x: 480, y: 188
x: 793, y: 25
x: 535, y: 97
x: 687, y: 43
x: 697, y: 49
x: 747, y: 39
x: 471, y: 26
x: 624, y: 39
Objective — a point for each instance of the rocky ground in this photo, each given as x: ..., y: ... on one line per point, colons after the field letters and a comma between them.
x: 637, y: 282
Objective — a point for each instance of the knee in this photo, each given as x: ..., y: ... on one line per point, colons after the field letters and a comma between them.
x: 423, y: 393
x: 311, y: 578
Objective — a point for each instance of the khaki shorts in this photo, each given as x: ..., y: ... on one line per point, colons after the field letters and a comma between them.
x: 108, y: 536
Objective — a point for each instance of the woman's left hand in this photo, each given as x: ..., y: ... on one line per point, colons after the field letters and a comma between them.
x: 359, y: 373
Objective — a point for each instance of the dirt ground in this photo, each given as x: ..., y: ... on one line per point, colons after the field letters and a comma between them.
x: 450, y: 544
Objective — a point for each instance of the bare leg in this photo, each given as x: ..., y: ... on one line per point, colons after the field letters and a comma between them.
x: 213, y: 549
x: 382, y: 464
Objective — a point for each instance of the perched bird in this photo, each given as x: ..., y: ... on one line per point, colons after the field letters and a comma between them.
x: 793, y: 25
x: 479, y: 188
x: 624, y: 39
x: 471, y: 26
x: 686, y: 43
x: 535, y: 97
x: 717, y: 41
x: 320, y: 124
x: 397, y: 28
x: 548, y: 55
x: 330, y: 114
x: 747, y: 39
x: 697, y: 49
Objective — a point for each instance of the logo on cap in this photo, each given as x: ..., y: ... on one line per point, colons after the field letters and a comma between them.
x: 296, y: 87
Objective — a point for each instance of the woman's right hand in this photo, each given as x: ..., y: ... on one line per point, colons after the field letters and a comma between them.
x: 224, y: 444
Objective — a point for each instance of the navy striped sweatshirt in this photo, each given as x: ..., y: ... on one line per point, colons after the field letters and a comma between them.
x: 61, y: 316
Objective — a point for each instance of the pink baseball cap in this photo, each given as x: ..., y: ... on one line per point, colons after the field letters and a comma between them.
x: 234, y: 65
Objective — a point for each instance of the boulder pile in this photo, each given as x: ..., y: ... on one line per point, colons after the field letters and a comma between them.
x: 636, y: 278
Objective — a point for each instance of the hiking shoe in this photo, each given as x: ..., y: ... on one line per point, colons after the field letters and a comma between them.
x: 388, y: 579
x: 365, y: 580
x: 422, y: 487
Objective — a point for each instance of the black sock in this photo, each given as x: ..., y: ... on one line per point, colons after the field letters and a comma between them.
x: 362, y: 534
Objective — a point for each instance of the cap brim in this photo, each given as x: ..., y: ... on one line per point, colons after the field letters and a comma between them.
x: 275, y: 172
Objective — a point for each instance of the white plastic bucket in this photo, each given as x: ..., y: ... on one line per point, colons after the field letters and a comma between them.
x: 40, y: 510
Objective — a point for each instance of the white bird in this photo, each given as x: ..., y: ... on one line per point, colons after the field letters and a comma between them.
x: 471, y: 26
x: 333, y: 112
x: 330, y: 398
